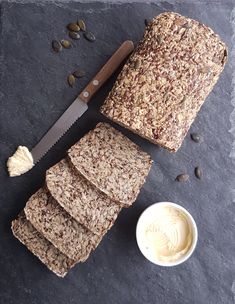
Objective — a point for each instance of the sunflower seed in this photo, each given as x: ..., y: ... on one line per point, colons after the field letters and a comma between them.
x: 66, y: 43
x: 74, y: 35
x: 78, y: 73
x: 73, y: 27
x: 56, y: 46
x: 71, y: 80
x: 182, y: 177
x: 198, y: 172
x: 89, y: 36
x: 195, y: 137
x: 82, y: 25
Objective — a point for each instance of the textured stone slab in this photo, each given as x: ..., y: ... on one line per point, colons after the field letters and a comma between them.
x: 34, y: 93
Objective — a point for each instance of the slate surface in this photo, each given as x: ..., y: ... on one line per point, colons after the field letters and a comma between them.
x: 34, y: 93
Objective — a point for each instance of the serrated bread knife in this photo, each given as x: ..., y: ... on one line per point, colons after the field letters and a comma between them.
x: 79, y: 106
x: 23, y: 160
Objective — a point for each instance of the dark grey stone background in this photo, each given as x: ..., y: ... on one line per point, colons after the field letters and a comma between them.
x: 34, y: 93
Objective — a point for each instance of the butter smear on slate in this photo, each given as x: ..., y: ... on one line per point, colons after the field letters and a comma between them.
x: 20, y: 162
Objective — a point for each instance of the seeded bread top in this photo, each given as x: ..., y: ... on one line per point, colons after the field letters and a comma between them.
x: 81, y: 199
x: 166, y: 80
x: 55, y: 260
x: 112, y: 162
x: 64, y: 232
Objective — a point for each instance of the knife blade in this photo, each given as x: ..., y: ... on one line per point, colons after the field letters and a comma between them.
x: 79, y: 106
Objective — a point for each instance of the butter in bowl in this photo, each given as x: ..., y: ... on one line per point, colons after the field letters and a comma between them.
x: 166, y: 234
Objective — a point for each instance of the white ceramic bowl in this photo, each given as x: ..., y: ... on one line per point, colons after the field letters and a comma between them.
x: 141, y: 224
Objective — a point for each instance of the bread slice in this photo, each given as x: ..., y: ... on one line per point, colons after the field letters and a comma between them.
x: 112, y: 162
x: 48, y: 254
x: 64, y: 232
x: 82, y: 200
x: 166, y: 80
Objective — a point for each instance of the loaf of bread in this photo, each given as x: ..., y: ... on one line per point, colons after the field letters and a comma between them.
x: 166, y: 80
x: 81, y: 199
x: 49, y: 255
x: 58, y: 227
x: 112, y: 162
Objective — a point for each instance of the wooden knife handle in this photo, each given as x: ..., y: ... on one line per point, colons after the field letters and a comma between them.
x: 107, y: 70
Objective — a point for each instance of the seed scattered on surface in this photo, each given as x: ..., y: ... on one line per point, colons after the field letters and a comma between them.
x: 82, y: 25
x: 146, y: 22
x: 66, y: 43
x: 78, y: 73
x: 74, y: 27
x: 89, y: 36
x: 56, y: 46
x: 196, y: 137
x: 74, y: 35
x: 71, y: 80
x: 182, y: 177
x: 198, y: 172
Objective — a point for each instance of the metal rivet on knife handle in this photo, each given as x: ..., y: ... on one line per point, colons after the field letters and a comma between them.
x: 79, y: 106
x: 95, y: 82
x: 86, y: 94
x: 108, y: 69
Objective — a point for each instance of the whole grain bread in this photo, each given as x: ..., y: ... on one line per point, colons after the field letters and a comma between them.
x: 166, y: 80
x: 112, y: 162
x: 56, y: 225
x: 81, y: 199
x: 48, y: 254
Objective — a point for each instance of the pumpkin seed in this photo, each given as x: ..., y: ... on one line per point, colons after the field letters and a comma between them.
x: 75, y: 225
x: 159, y: 39
x: 182, y: 177
x: 225, y: 55
x: 195, y: 137
x: 64, y: 263
x: 71, y: 80
x: 78, y: 73
x: 66, y: 43
x: 74, y: 27
x: 89, y: 36
x: 82, y: 25
x: 74, y: 35
x: 56, y: 46
x: 198, y: 172
x: 187, y: 25
x: 137, y: 64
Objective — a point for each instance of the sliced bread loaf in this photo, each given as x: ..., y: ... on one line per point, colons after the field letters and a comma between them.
x: 49, y: 255
x: 64, y: 232
x: 166, y: 80
x: 112, y: 162
x: 81, y: 199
